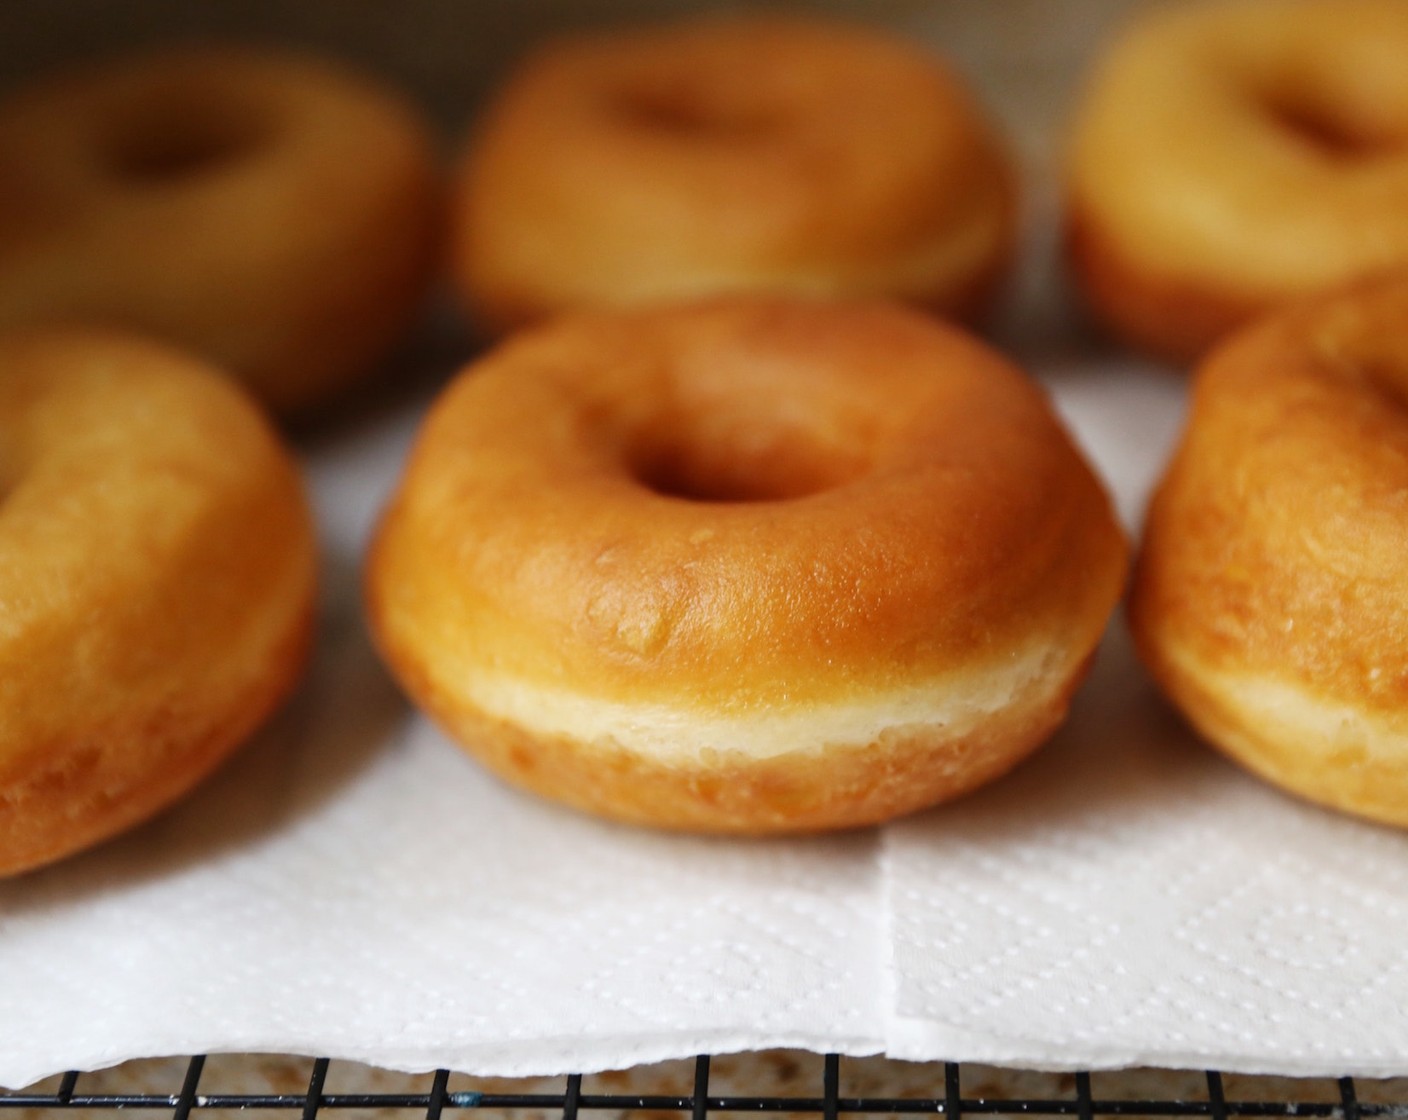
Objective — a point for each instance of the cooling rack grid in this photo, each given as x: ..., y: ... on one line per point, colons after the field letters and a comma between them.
x: 435, y: 1097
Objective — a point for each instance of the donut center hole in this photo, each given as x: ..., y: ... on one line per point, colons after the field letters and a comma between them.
x: 175, y: 140
x: 1386, y: 371
x: 715, y: 463
x: 692, y: 115
x: 1324, y: 129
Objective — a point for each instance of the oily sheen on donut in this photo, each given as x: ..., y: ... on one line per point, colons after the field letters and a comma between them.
x: 271, y: 212
x: 748, y: 566
x: 1271, y: 596
x: 156, y: 583
x: 731, y: 155
x: 1231, y: 156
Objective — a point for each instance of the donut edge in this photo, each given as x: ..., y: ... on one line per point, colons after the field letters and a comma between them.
x: 1313, y: 747
x: 78, y: 801
x: 902, y: 769
x: 1306, y: 733
x: 89, y: 782
x: 961, y: 271
x: 1172, y: 319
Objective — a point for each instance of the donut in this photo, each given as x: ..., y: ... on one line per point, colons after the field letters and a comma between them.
x: 730, y: 155
x: 1228, y: 158
x: 755, y: 565
x: 156, y: 583
x: 270, y: 212
x: 1271, y: 594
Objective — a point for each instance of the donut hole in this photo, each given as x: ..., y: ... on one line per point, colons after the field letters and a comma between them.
x: 1385, y: 368
x: 177, y: 139
x: 1323, y: 127
x: 1392, y: 385
x: 723, y: 462
x: 693, y: 114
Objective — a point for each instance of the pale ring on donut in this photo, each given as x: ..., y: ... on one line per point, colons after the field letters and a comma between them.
x: 1271, y: 594
x: 745, y: 566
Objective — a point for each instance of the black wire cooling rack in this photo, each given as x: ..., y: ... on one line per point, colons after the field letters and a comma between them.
x: 570, y: 1102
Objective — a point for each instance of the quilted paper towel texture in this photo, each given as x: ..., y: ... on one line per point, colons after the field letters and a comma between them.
x: 1128, y: 897
x: 1131, y: 899
x: 353, y: 885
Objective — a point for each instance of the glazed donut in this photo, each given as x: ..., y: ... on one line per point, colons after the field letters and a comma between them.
x: 272, y: 213
x: 1271, y: 596
x: 748, y: 566
x: 1229, y: 157
x: 731, y: 155
x: 156, y: 583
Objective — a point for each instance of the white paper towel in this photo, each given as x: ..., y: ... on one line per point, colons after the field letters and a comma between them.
x: 1129, y: 898
x: 353, y: 885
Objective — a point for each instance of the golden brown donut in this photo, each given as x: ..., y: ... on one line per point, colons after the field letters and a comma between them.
x: 156, y: 583
x: 1271, y: 595
x: 1231, y: 156
x: 273, y: 213
x: 749, y: 566
x: 731, y: 155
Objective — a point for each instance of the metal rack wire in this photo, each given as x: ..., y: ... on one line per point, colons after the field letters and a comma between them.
x: 947, y: 1099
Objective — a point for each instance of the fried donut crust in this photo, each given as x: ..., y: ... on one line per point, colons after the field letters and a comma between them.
x: 156, y: 583
x: 747, y: 566
x: 731, y: 154
x: 1271, y: 593
x: 272, y: 212
x: 1230, y: 157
